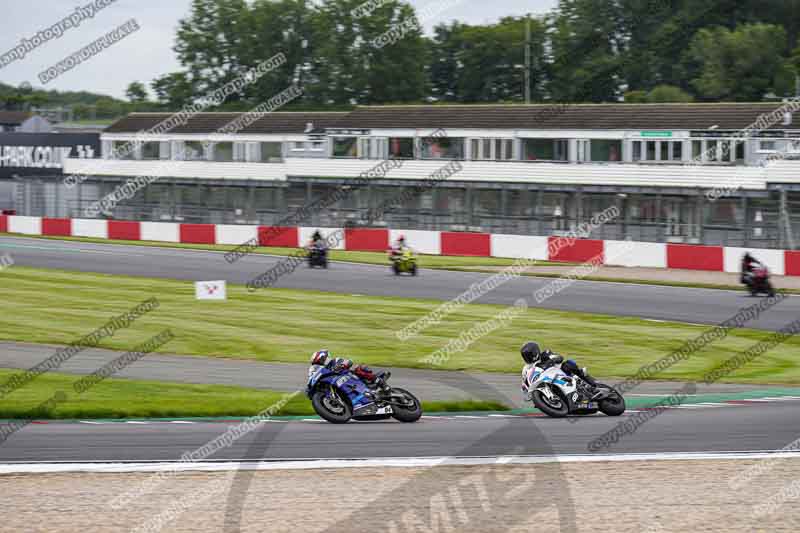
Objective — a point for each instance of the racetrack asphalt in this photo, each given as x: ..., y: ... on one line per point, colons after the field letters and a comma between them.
x: 699, y: 306
x: 429, y: 385
x: 765, y: 426
x: 759, y: 426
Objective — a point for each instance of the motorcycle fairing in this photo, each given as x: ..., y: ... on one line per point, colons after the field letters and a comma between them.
x: 348, y: 383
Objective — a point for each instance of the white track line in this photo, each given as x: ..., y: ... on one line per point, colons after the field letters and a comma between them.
x: 399, y: 462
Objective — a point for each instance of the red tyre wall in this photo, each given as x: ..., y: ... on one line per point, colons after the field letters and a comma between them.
x: 278, y: 236
x: 124, y: 229
x: 57, y: 226
x: 579, y: 251
x: 366, y: 240
x: 198, y: 233
x: 792, y: 263
x: 693, y: 257
x: 3, y: 223
x: 473, y: 244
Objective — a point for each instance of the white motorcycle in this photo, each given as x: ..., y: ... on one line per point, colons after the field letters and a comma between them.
x: 558, y: 394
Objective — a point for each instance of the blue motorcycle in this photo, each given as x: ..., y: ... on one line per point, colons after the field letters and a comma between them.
x: 337, y: 397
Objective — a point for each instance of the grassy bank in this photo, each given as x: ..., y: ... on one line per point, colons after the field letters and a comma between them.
x: 53, y: 306
x: 127, y: 398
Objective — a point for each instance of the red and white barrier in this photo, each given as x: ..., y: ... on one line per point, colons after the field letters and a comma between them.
x: 619, y: 253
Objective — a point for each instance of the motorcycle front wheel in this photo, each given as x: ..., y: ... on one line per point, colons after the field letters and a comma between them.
x: 331, y: 406
x: 556, y: 407
x: 410, y: 410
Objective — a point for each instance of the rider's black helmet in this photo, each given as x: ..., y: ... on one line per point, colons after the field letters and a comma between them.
x: 530, y: 352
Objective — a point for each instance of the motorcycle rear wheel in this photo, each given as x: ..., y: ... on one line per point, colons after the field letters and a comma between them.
x: 409, y: 414
x: 555, y: 410
x: 338, y: 413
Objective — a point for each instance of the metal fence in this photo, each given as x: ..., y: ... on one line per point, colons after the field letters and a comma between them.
x: 766, y: 221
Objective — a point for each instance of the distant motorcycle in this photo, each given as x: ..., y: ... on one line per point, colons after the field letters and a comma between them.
x: 338, y: 397
x: 557, y: 394
x: 403, y: 262
x: 317, y: 256
x: 757, y: 281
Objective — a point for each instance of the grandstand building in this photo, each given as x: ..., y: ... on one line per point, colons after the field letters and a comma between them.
x: 721, y: 174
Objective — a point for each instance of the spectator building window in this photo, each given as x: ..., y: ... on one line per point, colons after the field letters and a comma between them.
x: 545, y: 149
x: 271, y: 152
x: 442, y: 148
x: 193, y: 151
x: 345, y: 147
x: 401, y: 147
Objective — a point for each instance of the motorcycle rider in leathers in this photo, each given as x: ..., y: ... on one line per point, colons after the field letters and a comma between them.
x: 533, y: 355
x: 342, y: 365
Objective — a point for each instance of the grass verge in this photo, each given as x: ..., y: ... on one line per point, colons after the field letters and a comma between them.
x: 127, y: 398
x: 57, y: 307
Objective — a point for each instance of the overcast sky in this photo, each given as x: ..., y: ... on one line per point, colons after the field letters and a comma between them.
x: 147, y: 53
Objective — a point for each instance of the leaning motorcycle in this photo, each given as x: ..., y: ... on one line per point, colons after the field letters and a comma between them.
x: 558, y: 394
x: 338, y: 397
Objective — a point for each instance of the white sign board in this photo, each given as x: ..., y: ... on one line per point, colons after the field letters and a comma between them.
x: 210, y: 290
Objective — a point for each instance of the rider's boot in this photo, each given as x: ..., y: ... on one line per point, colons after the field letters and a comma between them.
x: 595, y: 394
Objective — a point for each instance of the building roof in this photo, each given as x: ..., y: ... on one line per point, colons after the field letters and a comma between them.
x: 14, y: 117
x: 726, y: 116
x: 276, y: 122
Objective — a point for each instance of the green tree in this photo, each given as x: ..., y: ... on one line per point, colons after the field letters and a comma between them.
x: 739, y: 65
x: 635, y: 97
x: 136, y: 93
x: 486, y: 63
x: 668, y: 94
x: 349, y: 68
x: 585, y: 40
x: 209, y: 43
x: 173, y: 91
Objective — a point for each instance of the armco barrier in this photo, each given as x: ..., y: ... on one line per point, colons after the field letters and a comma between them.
x: 579, y: 251
x: 635, y: 254
x: 620, y: 253
x: 279, y: 236
x: 774, y: 259
x: 424, y: 242
x: 89, y: 227
x: 694, y: 257
x: 160, y: 231
x: 472, y: 244
x: 520, y: 247
x: 235, y: 233
x: 125, y: 230
x: 198, y: 233
x: 58, y: 227
x: 366, y: 240
x: 25, y: 225
x: 792, y: 263
x: 334, y: 236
